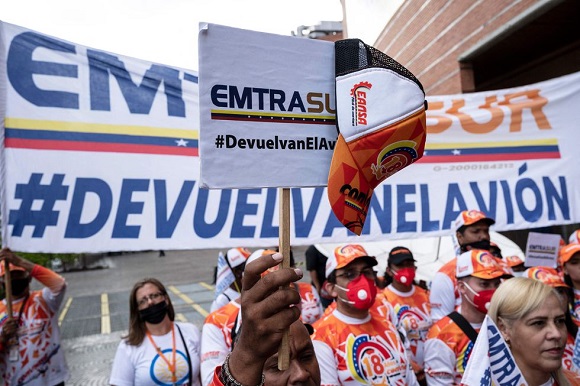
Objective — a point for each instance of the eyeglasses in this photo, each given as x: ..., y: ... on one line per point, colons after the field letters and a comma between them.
x: 145, y: 299
x: 352, y: 274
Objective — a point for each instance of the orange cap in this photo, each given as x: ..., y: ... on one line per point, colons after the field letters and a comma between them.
x: 546, y: 275
x: 568, y: 251
x: 481, y: 264
x: 345, y: 255
x: 237, y: 256
x: 381, y: 117
x: 513, y: 260
x: 470, y: 217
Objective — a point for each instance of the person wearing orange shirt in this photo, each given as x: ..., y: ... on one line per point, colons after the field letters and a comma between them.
x: 30, y: 349
x: 410, y: 303
x: 269, y: 309
x: 472, y: 232
x: 354, y: 345
x: 450, y: 340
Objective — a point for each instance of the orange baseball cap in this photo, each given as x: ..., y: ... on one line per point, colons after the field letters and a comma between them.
x: 546, y: 275
x: 480, y: 263
x: 345, y: 255
x: 470, y: 217
x: 237, y: 256
x: 568, y: 251
x: 513, y: 260
x: 380, y: 111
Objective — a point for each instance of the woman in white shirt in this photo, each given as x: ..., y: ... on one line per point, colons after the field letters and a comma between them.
x: 157, y: 350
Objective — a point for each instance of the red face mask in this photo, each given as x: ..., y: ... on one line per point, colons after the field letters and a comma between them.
x: 405, y: 276
x: 481, y: 299
x: 361, y: 292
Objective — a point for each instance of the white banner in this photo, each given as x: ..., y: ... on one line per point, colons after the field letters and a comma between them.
x: 99, y: 153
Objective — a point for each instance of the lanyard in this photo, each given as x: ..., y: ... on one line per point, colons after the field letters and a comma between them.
x: 170, y: 366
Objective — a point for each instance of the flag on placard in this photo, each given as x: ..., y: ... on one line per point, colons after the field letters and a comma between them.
x: 225, y: 275
x: 380, y: 109
x: 491, y: 361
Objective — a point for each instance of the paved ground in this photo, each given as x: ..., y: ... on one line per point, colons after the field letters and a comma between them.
x: 95, y: 314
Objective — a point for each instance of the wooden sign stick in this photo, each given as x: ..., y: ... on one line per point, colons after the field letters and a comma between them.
x: 8, y: 289
x: 284, y: 240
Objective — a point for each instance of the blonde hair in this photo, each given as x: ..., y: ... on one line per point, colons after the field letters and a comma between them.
x: 515, y: 298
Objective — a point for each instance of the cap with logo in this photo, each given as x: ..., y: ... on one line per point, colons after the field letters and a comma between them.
x: 546, y: 275
x: 513, y: 260
x: 346, y: 254
x: 481, y: 264
x: 380, y: 112
x: 237, y: 256
x: 470, y: 217
x: 568, y: 251
x: 399, y: 254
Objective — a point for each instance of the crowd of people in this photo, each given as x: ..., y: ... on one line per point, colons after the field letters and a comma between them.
x: 345, y: 327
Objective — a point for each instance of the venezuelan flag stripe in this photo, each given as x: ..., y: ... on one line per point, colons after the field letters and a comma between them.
x: 491, y: 151
x: 52, y: 135
x: 252, y: 116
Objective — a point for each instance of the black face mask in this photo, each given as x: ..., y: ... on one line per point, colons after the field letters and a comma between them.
x: 19, y: 286
x: 154, y: 314
x: 482, y: 244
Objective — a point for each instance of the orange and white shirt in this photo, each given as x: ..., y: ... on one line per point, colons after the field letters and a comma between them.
x: 41, y: 360
x: 567, y: 358
x: 310, y: 305
x: 447, y: 351
x: 353, y: 351
x: 216, y: 338
x: 413, y: 315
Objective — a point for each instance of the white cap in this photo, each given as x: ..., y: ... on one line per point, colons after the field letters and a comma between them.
x: 237, y: 256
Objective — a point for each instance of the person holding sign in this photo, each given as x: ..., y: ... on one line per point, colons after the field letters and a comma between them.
x: 450, y: 340
x: 531, y: 318
x: 570, y: 259
x: 30, y: 350
x: 157, y: 350
x: 354, y: 345
x: 269, y: 307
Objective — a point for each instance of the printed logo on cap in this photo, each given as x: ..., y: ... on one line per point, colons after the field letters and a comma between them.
x: 382, y: 127
x: 546, y: 275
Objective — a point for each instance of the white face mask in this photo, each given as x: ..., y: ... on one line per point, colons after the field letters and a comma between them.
x: 518, y: 274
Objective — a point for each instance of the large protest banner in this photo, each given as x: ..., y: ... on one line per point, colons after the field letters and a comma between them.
x: 100, y: 153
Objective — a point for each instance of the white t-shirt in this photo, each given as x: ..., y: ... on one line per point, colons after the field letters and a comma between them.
x: 442, y: 297
x: 143, y: 366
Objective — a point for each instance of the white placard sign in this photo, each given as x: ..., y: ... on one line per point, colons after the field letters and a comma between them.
x: 267, y: 109
x: 542, y: 249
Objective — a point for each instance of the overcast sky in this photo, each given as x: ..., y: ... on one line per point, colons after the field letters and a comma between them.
x: 163, y: 31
